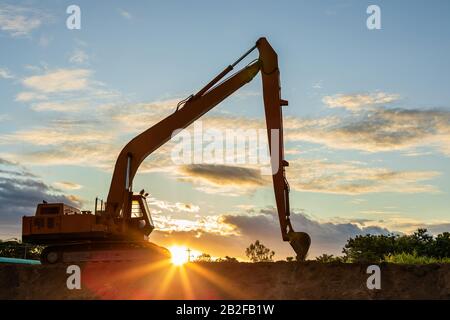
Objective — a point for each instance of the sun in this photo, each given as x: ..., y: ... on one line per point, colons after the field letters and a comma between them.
x: 179, y: 255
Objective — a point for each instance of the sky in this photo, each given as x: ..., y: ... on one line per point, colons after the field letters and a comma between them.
x: 367, y: 129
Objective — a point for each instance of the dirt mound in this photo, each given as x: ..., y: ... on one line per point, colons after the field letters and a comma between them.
x: 279, y: 280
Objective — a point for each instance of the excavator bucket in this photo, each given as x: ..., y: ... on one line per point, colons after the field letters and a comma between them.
x: 300, y: 242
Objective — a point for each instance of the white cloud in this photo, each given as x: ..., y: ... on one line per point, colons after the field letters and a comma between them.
x: 351, y: 178
x: 230, y: 234
x: 139, y: 116
x: 61, y: 90
x: 44, y: 40
x: 125, y: 14
x: 377, y: 130
x: 60, y: 106
x: 59, y: 80
x: 26, y: 96
x: 79, y: 57
x: 5, y: 74
x: 311, y: 175
x: 21, y: 191
x: 20, y: 21
x: 93, y: 154
x: 400, y: 221
x: 171, y: 206
x: 67, y: 185
x: 59, y: 132
x: 318, y: 85
x: 227, y: 180
x: 33, y: 68
x: 355, y: 102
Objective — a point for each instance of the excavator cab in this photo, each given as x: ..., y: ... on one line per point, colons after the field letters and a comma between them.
x: 140, y: 218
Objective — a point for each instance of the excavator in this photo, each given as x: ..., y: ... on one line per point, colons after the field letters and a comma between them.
x: 119, y: 229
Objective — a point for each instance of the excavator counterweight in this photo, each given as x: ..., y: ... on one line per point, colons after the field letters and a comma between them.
x: 124, y: 224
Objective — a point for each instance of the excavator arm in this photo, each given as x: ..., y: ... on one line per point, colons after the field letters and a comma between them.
x: 120, y: 192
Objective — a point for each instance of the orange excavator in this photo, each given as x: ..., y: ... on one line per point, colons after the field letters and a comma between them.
x: 119, y: 230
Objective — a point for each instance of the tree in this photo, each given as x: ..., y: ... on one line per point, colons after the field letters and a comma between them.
x: 289, y: 259
x: 441, y: 246
x: 257, y: 252
x: 369, y: 248
x: 15, y: 249
x: 227, y: 259
x: 204, y: 257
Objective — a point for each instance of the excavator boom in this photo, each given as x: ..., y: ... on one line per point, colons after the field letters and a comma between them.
x: 148, y: 141
x: 120, y: 193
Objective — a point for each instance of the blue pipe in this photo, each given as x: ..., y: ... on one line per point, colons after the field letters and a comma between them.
x: 18, y: 261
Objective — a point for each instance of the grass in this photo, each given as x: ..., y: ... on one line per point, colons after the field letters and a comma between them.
x: 408, y: 258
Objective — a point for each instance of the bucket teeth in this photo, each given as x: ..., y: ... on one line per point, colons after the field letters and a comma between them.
x: 300, y: 242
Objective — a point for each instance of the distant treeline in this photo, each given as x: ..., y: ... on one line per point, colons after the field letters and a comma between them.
x: 419, y: 247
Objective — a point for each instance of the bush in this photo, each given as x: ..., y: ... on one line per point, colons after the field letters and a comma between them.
x: 408, y: 258
x: 329, y: 258
x: 257, y: 252
x: 375, y: 248
x: 227, y: 259
x: 289, y: 259
x: 204, y: 257
x: 16, y: 249
x: 441, y: 245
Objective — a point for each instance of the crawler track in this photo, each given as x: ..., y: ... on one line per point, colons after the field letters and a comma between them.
x: 111, y: 251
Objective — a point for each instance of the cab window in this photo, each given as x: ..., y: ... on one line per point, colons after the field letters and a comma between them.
x: 136, y: 211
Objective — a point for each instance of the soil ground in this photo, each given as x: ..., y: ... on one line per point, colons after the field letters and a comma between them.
x: 278, y: 280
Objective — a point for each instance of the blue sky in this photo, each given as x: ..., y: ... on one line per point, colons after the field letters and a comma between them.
x: 367, y: 129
